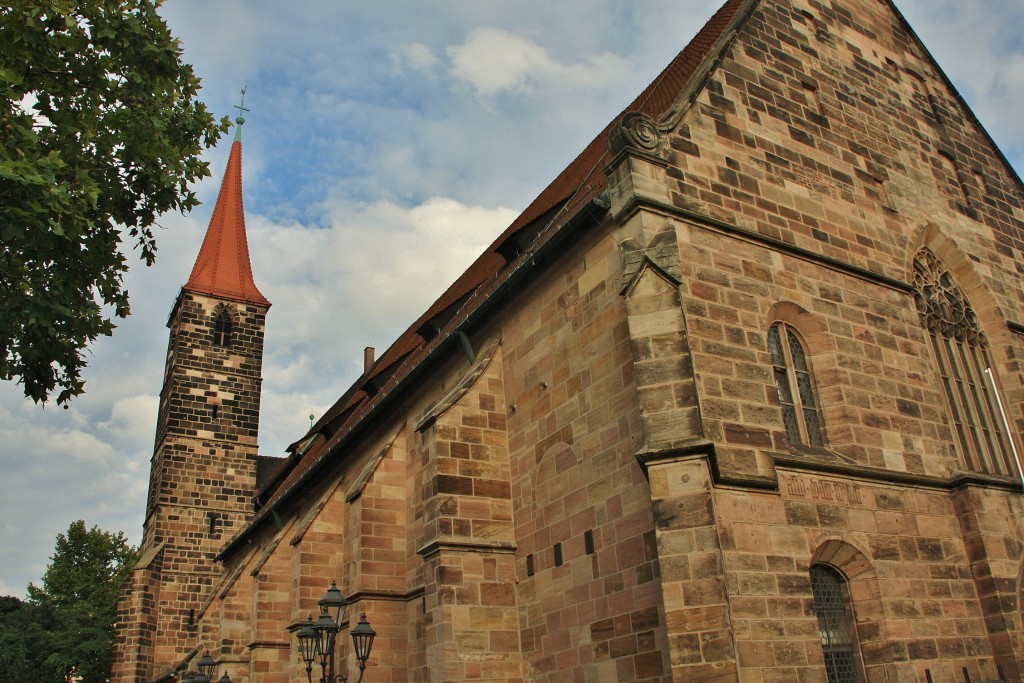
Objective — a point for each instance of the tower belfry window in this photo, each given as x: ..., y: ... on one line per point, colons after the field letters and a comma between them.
x: 222, y: 328
x: 792, y: 373
x: 961, y: 353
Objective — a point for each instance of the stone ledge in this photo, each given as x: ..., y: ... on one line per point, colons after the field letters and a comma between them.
x: 465, y: 544
x: 266, y: 645
x: 702, y: 448
x: 874, y: 474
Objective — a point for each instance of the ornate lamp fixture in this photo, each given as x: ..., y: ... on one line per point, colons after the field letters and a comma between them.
x: 362, y: 641
x: 207, y: 666
x: 207, y: 669
x: 317, y: 638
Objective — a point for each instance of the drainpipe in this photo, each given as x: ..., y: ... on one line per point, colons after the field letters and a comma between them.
x: 1006, y: 423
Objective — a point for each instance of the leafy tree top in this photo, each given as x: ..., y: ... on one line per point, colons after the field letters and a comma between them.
x: 86, y: 571
x: 67, y: 623
x: 101, y: 132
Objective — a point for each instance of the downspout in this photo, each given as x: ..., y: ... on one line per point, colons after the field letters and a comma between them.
x: 1006, y: 423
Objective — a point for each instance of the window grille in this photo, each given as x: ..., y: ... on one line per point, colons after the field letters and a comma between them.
x: 792, y: 372
x: 222, y: 328
x: 835, y: 624
x: 961, y: 353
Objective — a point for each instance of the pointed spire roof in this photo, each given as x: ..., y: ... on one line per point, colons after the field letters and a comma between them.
x: 222, y: 268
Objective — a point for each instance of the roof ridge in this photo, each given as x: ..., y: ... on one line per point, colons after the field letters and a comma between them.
x: 564, y: 192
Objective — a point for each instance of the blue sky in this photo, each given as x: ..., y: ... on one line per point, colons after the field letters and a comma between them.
x: 387, y: 144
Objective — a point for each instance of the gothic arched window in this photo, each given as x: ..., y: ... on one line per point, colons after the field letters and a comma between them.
x: 792, y: 373
x: 961, y: 352
x: 834, y: 611
x: 222, y: 327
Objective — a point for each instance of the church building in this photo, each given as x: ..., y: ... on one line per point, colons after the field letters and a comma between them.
x: 738, y: 397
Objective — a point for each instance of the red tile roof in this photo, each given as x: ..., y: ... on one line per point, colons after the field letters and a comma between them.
x: 582, y: 181
x: 584, y: 178
x: 222, y: 268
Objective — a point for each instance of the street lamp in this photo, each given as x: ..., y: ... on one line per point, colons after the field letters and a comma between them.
x: 307, y: 646
x: 362, y: 641
x: 334, y: 603
x: 207, y: 666
x: 317, y: 638
x: 207, y: 669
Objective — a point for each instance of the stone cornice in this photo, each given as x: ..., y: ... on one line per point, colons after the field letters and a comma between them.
x: 386, y: 595
x: 465, y: 544
x: 823, y: 462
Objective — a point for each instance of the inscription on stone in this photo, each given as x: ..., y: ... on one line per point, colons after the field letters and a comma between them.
x: 821, y: 489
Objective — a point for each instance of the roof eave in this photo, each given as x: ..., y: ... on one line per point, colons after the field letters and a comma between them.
x: 529, y: 262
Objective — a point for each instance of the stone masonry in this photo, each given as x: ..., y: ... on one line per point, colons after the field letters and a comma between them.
x: 588, y: 461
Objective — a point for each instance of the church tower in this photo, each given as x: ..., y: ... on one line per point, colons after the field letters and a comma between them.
x: 203, y: 470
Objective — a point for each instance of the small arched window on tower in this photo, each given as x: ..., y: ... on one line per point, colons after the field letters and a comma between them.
x: 792, y: 372
x: 834, y: 611
x: 223, y: 326
x: 961, y: 353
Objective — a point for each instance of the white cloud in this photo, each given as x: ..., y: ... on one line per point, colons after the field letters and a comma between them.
x: 358, y: 283
x: 493, y: 60
x: 415, y: 57
x: 402, y: 259
x: 57, y: 469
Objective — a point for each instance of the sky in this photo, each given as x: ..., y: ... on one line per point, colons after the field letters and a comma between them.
x: 386, y: 145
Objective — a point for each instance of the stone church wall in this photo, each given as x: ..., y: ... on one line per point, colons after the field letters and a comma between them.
x: 597, y: 483
x: 824, y: 152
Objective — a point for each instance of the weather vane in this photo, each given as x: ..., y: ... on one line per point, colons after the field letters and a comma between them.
x: 240, y: 107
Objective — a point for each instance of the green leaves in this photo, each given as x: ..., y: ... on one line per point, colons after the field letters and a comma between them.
x: 100, y: 133
x: 68, y: 623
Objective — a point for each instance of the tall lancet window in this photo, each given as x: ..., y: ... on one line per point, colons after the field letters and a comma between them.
x: 961, y: 352
x: 792, y: 373
x: 222, y: 327
x: 835, y: 624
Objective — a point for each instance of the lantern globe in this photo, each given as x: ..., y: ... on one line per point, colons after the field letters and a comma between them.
x: 207, y: 666
x: 307, y: 642
x: 335, y: 603
x: 325, y: 629
x: 362, y: 640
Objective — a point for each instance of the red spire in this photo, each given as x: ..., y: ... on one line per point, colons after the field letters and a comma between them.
x: 222, y: 268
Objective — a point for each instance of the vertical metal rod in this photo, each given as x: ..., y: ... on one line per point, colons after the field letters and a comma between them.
x: 467, y: 347
x: 1006, y: 423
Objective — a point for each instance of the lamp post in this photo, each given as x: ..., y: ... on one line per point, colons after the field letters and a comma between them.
x: 317, y: 638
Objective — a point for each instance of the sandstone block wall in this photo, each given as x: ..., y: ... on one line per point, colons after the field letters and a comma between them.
x: 602, y: 487
x: 202, y: 478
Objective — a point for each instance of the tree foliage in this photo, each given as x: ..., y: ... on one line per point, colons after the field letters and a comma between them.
x: 67, y: 623
x: 101, y: 132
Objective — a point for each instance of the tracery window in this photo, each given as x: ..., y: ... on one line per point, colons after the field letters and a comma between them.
x: 836, y: 628
x: 222, y: 328
x: 961, y: 352
x: 792, y: 372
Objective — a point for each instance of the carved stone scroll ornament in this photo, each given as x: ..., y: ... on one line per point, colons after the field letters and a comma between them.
x: 635, y: 131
